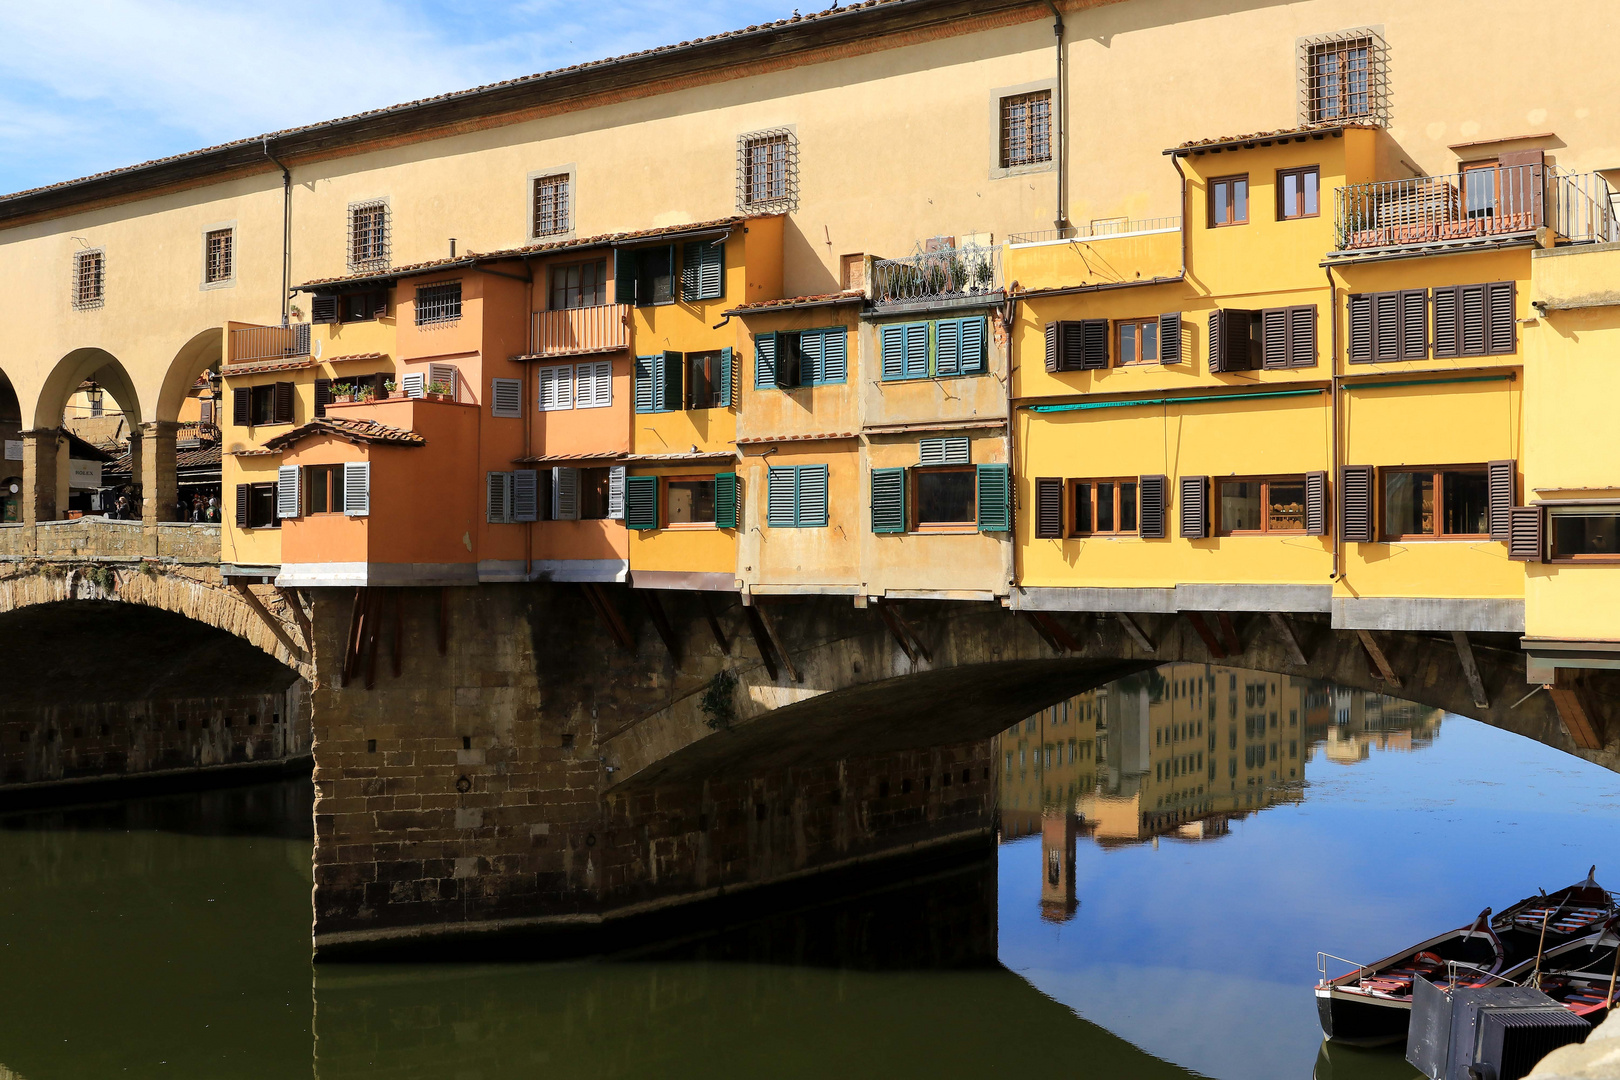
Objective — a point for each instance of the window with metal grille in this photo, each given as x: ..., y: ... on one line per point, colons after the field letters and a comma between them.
x: 219, y: 258
x: 439, y: 303
x: 368, y: 235
x: 1026, y: 129
x: 89, y: 279
x: 767, y: 171
x: 551, y: 205
x: 1343, y: 78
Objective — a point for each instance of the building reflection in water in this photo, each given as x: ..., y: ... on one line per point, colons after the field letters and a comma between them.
x: 1181, y: 752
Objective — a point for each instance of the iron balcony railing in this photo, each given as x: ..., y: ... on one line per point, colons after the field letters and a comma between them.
x: 946, y: 274
x: 1494, y: 201
x: 578, y: 331
x: 260, y: 343
x: 1099, y: 230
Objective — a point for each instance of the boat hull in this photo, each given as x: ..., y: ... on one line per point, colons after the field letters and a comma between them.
x: 1359, y: 1020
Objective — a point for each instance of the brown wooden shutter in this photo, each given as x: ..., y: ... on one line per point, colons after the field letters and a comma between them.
x: 1472, y: 328
x: 1302, y: 335
x: 1094, y: 348
x: 1501, y: 489
x: 1501, y: 323
x: 1274, y: 337
x: 1152, y: 491
x: 1194, y: 507
x: 323, y: 395
x: 1360, y: 349
x: 1414, y: 332
x: 1072, y: 347
x: 323, y: 309
x: 1316, y: 515
x: 1356, y: 518
x: 1525, y: 539
x: 1054, y: 331
x: 243, y: 493
x: 1170, y: 337
x: 1446, y: 301
x: 1386, y: 326
x: 241, y: 406
x: 283, y: 403
x: 1522, y: 177
x: 1231, y: 337
x: 379, y: 304
x: 1048, y: 508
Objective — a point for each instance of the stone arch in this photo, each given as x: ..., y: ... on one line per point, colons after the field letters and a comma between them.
x: 11, y: 465
x: 160, y: 483
x: 204, y: 350
x: 45, y: 490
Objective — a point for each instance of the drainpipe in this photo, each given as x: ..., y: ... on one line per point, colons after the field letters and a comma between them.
x: 528, y: 419
x: 1175, y: 159
x: 1333, y: 372
x: 286, y: 235
x: 1059, y: 98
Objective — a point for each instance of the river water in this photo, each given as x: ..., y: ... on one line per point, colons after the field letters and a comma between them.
x: 1174, y: 852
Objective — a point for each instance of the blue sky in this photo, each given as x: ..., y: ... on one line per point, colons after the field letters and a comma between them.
x: 99, y: 84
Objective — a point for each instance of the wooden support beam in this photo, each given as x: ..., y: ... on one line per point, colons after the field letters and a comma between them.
x: 1040, y: 628
x: 762, y: 640
x: 373, y: 617
x: 660, y: 621
x: 916, y: 641
x: 269, y: 620
x: 1285, y: 630
x: 351, y: 644
x: 1465, y: 656
x: 1577, y: 708
x: 1216, y: 652
x: 1375, y: 653
x: 899, y: 635
x: 713, y: 620
x: 397, y: 652
x: 1135, y: 632
x: 290, y: 598
x: 776, y: 642
x: 1066, y: 641
x: 1229, y: 634
x: 444, y: 621
x: 609, y: 615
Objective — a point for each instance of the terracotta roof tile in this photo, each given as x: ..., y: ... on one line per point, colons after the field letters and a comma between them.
x: 348, y: 357
x: 847, y: 296
x: 540, y: 459
x: 254, y: 367
x: 363, y: 432
x: 651, y: 459
x: 758, y: 440
x: 1261, y: 138
x: 201, y: 457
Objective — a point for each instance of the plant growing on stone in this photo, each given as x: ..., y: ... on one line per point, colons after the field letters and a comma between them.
x: 103, y: 577
x: 719, y: 701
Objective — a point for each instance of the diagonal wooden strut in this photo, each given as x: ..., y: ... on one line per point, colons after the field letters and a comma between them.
x: 660, y: 621
x: 916, y: 641
x: 895, y: 632
x: 1216, y: 652
x: 1135, y: 632
x: 1229, y: 634
x: 776, y: 642
x: 351, y: 644
x: 713, y: 619
x: 1285, y: 630
x: 609, y: 615
x: 1465, y: 656
x: 762, y: 639
x: 290, y: 596
x: 1041, y: 629
x: 269, y: 620
x: 1375, y: 653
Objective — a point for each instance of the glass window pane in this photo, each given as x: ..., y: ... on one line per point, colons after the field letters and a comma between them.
x: 946, y: 498
x: 1240, y: 506
x: 1105, y: 507
x: 1285, y: 509
x: 1240, y: 200
x: 1150, y: 340
x: 1467, y: 502
x: 1127, y: 507
x: 691, y: 502
x: 1408, y: 503
x: 1310, y: 180
x: 1586, y: 534
x: 1290, y: 195
x: 1082, y: 509
x: 1127, y: 343
x: 1220, y: 203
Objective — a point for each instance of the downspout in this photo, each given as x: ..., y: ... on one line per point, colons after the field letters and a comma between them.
x: 1333, y: 371
x: 1175, y: 159
x: 1009, y: 314
x: 528, y: 420
x: 1059, y: 99
x: 286, y: 235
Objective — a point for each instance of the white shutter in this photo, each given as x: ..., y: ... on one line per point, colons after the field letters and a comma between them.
x: 506, y: 397
x: 287, y: 500
x: 595, y: 389
x: 499, y: 509
x: 443, y: 373
x: 525, y: 495
x: 414, y: 383
x: 943, y: 452
x: 556, y: 388
x: 564, y: 494
x: 357, y: 488
x: 616, y: 493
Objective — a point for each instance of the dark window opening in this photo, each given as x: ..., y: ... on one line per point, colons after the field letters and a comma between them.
x: 947, y: 497
x: 1451, y: 502
x: 703, y: 380
x: 323, y: 489
x: 579, y: 285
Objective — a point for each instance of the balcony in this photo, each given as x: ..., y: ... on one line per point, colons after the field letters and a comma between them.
x: 1475, y: 208
x: 258, y: 344
x: 969, y: 272
x: 582, y: 331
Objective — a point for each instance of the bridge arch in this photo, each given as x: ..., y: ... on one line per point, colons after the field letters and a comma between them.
x: 46, y: 478
x: 203, y: 352
x: 11, y: 465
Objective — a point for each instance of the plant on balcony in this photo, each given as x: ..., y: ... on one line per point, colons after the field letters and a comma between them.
x: 439, y: 390
x: 343, y: 392
x: 389, y: 386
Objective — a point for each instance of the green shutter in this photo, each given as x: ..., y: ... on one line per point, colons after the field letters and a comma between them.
x: 725, y: 378
x: 624, y: 277
x: 641, y: 502
x: 646, y: 385
x: 975, y: 338
x: 948, y: 347
x: 764, y: 361
x: 916, y: 350
x: 812, y: 500
x: 672, y: 382
x: 703, y: 270
x: 892, y: 347
x: 781, y: 497
x: 809, y: 357
x: 725, y: 500
x: 995, y: 489
x: 834, y: 355
x: 888, y: 500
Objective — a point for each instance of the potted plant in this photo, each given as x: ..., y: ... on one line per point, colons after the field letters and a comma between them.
x: 364, y: 393
x: 342, y: 391
x: 439, y: 391
x: 389, y: 386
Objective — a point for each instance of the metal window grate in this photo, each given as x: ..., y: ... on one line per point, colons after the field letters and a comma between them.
x: 368, y: 235
x: 437, y: 304
x: 551, y: 205
x: 768, y: 171
x: 1026, y: 129
x: 1344, y: 78
x: 219, y: 258
x: 89, y: 279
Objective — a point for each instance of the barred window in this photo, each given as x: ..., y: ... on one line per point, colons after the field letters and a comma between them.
x: 218, y: 257
x: 89, y: 279
x: 551, y: 205
x: 1343, y: 78
x: 438, y: 303
x: 767, y: 171
x: 368, y: 235
x: 1026, y: 129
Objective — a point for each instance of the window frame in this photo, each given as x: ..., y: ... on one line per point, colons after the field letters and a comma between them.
x: 1120, y: 325
x: 666, y: 489
x: 89, y: 279
x: 780, y: 193
x: 1034, y: 149
x: 445, y: 295
x: 1315, y: 106
x: 219, y: 272
x: 1216, y: 182
x: 1550, y: 543
x: 1300, y: 171
x: 599, y: 289
x: 711, y: 358
x: 261, y: 392
x: 1074, y: 485
x: 967, y: 525
x: 1438, y: 472
x: 262, y: 488
x: 333, y: 490
x: 375, y: 251
x: 561, y: 220
x: 1265, y: 482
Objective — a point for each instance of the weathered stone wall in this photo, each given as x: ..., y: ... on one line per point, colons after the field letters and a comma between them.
x: 104, y: 538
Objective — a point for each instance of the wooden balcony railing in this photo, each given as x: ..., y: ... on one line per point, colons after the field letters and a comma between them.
x: 578, y: 331
x: 260, y: 343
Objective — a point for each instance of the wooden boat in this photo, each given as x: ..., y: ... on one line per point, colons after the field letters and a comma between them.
x: 1373, y: 1003
x: 1576, y: 974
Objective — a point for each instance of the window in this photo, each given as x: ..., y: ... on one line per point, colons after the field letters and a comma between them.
x: 1474, y: 320
x: 1229, y: 201
x: 579, y: 285
x: 645, y: 276
x: 1026, y: 129
x: 690, y: 500
x: 1274, y: 505
x: 705, y: 381
x: 323, y: 489
x: 349, y: 307
x: 1585, y: 533
x: 1343, y: 78
x: 1297, y: 193
x: 947, y: 498
x: 551, y: 205
x: 787, y: 359
x: 796, y: 497
x: 368, y: 235
x: 556, y: 387
x: 1436, y: 502
x: 438, y: 304
x: 218, y: 257
x: 264, y: 405
x: 89, y: 279
x: 256, y: 506
x: 596, y: 494
x: 593, y: 385
x: 1103, y: 507
x: 703, y: 270
x: 1288, y: 336
x: 506, y: 398
x: 1390, y: 326
x: 659, y: 380
x: 1138, y: 342
x: 940, y: 349
x: 767, y: 171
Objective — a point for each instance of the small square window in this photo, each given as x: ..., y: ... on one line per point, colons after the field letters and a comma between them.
x: 1026, y: 129
x: 579, y: 285
x: 690, y: 500
x: 1229, y: 201
x: 323, y: 489
x: 553, y: 204
x: 1297, y: 195
x: 947, y: 498
x: 89, y: 279
x: 438, y: 304
x: 1263, y: 506
x: 219, y: 256
x: 1138, y: 341
x: 368, y: 235
x: 1103, y: 507
x: 1421, y: 503
x: 704, y: 383
x: 768, y: 171
x: 1343, y: 78
x: 261, y: 507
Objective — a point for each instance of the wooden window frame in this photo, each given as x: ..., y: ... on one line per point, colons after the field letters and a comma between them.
x: 333, y: 489
x: 914, y: 497
x: 665, y: 489
x: 1220, y: 181
x: 1265, y: 483
x: 555, y: 217
x: 716, y: 387
x: 1121, y: 325
x: 1550, y: 535
x: 1034, y: 148
x: 1089, y: 484
x: 599, y: 289
x: 219, y: 256
x: 1300, y: 171
x: 1439, y: 471
x: 368, y: 234
x: 261, y: 392
x: 259, y: 489
x: 89, y: 279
